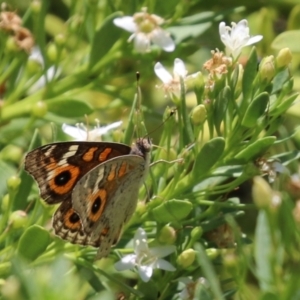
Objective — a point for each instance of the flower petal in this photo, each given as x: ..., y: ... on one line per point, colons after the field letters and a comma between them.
x: 254, y: 39
x: 162, y: 73
x: 140, y: 241
x: 126, y: 23
x: 75, y: 132
x: 179, y: 68
x: 162, y: 39
x: 162, y: 251
x: 141, y: 42
x: 163, y: 265
x: 127, y: 262
x: 145, y: 272
x: 98, y: 131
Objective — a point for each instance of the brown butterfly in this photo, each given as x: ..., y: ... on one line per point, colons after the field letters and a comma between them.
x: 97, y: 184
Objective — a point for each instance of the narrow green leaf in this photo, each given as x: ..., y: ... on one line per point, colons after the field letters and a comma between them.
x: 220, y: 107
x: 209, y: 272
x: 182, y: 33
x: 69, y: 108
x: 6, y: 171
x: 255, y: 110
x: 262, y: 251
x: 283, y: 106
x: 104, y: 39
x: 198, y: 18
x: 33, y: 242
x: 248, y: 78
x: 20, y: 201
x: 255, y: 149
x: 280, y: 79
x: 171, y: 211
x: 208, y: 156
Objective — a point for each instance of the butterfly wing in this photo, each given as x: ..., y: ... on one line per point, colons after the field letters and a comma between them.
x: 106, y: 198
x: 57, y: 167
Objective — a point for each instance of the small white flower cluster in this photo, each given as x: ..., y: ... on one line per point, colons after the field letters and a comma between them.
x: 145, y: 259
x: 81, y: 133
x: 145, y: 29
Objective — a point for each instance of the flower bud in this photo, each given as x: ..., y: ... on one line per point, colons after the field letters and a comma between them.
x: 36, y: 6
x: 186, y: 258
x: 230, y: 260
x: 198, y: 115
x: 11, y: 45
x: 5, y: 202
x: 283, y: 58
x: 52, y: 52
x: 39, y: 109
x: 196, y: 233
x: 267, y: 68
x: 13, y: 182
x: 261, y: 192
x: 33, y: 66
x: 212, y: 253
x: 60, y: 39
x: 167, y: 235
x: 11, y: 153
x: 18, y: 219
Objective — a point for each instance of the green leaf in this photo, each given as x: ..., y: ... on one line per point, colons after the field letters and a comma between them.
x: 262, y: 252
x: 33, y: 242
x: 104, y: 39
x: 288, y: 39
x: 255, y: 149
x: 6, y: 171
x: 182, y: 33
x: 171, y: 211
x: 69, y: 108
x: 248, y: 78
x: 280, y: 79
x: 255, y: 110
x: 283, y: 106
x: 209, y: 272
x: 220, y: 107
x: 26, y: 180
x: 208, y: 156
x: 198, y: 18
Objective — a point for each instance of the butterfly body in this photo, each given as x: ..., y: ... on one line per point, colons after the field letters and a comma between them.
x: 96, y: 183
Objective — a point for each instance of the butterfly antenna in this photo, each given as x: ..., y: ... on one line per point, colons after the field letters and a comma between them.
x: 171, y: 114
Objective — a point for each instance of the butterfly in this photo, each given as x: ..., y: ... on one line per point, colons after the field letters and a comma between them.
x: 96, y: 184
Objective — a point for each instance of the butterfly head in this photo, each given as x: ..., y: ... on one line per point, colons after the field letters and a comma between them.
x: 142, y: 147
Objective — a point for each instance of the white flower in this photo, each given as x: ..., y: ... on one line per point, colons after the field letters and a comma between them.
x: 50, y: 74
x: 145, y: 29
x: 171, y: 84
x: 81, y: 133
x: 236, y: 37
x: 145, y: 259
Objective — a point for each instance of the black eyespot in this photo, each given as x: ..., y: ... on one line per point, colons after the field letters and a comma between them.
x: 62, y: 178
x: 74, y: 218
x: 96, y: 205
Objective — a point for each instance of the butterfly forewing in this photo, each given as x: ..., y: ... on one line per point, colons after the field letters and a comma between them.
x: 57, y: 167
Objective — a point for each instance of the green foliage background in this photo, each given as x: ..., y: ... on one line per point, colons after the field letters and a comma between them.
x: 243, y: 250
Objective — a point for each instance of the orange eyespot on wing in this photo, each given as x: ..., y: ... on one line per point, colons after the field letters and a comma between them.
x: 63, y: 179
x: 72, y: 220
x: 96, y: 205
